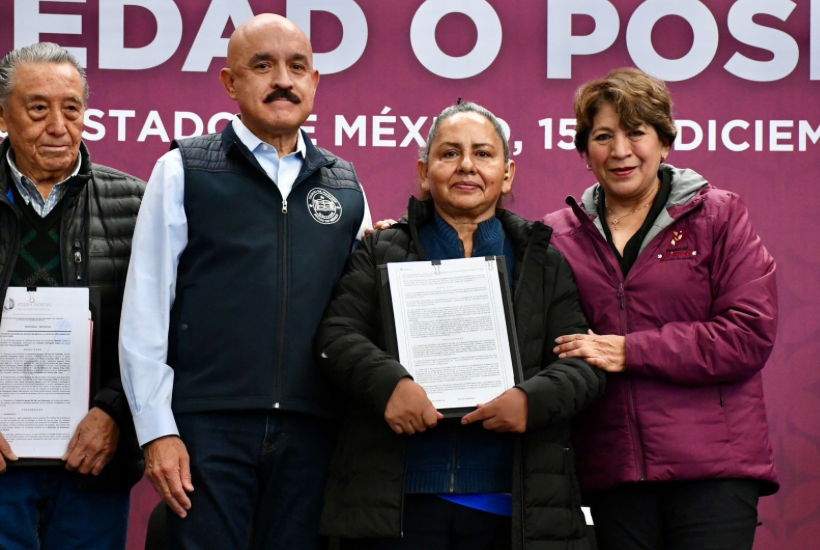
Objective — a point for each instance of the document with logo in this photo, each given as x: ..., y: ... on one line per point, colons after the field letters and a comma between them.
x: 454, y: 329
x: 45, y: 361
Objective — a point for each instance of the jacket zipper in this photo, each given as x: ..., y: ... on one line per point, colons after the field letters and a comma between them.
x: 283, y: 304
x: 403, y: 481
x: 720, y: 393
x: 78, y: 263
x: 453, y: 465
x: 283, y: 317
x: 520, y: 488
x: 617, y: 277
x: 633, y: 416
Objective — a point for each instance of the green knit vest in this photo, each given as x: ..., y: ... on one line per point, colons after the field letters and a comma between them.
x: 39, y: 261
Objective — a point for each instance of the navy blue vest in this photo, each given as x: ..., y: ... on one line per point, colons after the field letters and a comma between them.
x: 255, y: 277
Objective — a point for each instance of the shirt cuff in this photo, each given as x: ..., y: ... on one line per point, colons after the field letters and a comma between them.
x: 152, y: 424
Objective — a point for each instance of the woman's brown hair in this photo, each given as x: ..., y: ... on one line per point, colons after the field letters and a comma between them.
x: 637, y: 97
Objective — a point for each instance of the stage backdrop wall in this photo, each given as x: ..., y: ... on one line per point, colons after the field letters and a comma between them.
x: 744, y: 75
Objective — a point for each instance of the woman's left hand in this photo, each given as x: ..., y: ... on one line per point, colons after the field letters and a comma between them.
x: 607, y: 352
x: 506, y: 413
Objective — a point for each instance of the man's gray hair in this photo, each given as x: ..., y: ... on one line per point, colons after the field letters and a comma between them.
x: 466, y: 107
x: 42, y: 52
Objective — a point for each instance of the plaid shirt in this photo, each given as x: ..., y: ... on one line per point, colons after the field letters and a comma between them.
x: 31, y: 195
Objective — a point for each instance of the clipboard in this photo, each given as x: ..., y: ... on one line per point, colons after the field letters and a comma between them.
x: 390, y: 341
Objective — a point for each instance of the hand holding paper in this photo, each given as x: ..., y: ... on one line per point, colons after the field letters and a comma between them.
x: 94, y: 443
x: 409, y: 410
x: 506, y: 413
x: 5, y: 454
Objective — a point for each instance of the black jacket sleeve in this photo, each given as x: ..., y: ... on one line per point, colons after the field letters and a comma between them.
x: 564, y: 387
x: 345, y: 343
x: 110, y: 395
x: 111, y: 399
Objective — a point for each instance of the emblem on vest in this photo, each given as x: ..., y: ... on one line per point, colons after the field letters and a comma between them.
x: 324, y: 207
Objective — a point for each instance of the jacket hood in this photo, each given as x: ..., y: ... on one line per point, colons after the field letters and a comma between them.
x: 686, y: 184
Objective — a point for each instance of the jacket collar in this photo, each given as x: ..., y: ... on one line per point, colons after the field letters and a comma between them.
x: 314, y: 159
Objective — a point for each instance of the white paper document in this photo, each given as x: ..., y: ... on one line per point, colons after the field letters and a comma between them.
x: 45, y: 357
x: 451, y: 329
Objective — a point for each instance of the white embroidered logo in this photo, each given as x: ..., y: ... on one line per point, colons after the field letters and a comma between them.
x: 324, y: 207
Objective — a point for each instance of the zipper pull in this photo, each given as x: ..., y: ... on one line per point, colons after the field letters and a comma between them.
x: 621, y: 295
x: 285, y: 206
x: 78, y: 259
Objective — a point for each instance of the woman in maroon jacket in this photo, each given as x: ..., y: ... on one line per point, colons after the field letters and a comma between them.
x: 681, y: 294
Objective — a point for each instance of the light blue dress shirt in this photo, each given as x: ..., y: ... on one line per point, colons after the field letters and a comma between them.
x: 160, y: 237
x: 29, y: 192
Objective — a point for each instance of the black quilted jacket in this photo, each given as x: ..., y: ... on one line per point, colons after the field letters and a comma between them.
x: 365, y: 492
x: 99, y: 212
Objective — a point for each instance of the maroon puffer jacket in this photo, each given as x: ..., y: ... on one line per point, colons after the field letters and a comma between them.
x: 699, y: 311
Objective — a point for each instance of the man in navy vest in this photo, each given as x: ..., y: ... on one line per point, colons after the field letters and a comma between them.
x: 240, y: 240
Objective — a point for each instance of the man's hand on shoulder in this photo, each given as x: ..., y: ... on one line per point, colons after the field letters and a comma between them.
x: 168, y: 467
x: 5, y: 454
x: 94, y: 443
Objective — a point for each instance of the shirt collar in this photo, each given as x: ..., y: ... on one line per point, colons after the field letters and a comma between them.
x: 251, y: 141
x: 19, y: 178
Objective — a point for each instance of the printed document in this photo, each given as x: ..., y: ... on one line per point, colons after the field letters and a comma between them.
x: 452, y: 330
x: 45, y: 360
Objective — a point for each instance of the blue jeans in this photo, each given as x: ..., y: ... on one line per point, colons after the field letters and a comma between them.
x: 257, y: 470
x: 42, y: 508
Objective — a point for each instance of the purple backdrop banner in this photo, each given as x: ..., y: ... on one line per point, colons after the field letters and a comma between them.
x: 745, y: 76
